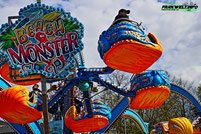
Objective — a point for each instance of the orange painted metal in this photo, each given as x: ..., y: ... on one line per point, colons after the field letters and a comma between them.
x: 152, y: 97
x: 4, y: 72
x: 132, y: 56
x: 14, y: 106
x: 84, y: 125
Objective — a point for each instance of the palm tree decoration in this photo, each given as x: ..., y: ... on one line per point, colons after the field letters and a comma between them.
x: 71, y: 26
x: 7, y: 39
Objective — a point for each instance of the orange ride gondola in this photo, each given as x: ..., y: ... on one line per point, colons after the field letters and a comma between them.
x: 16, y: 107
x: 4, y: 72
x: 126, y: 47
x: 152, y: 88
x: 81, y: 123
x: 196, y: 131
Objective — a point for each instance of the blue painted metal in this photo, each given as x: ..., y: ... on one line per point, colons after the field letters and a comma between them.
x: 67, y: 104
x: 115, y: 89
x: 54, y: 99
x: 4, y: 84
x: 18, y: 128
x: 94, y: 71
x: 187, y: 95
x: 99, y: 108
x: 134, y: 116
x: 36, y: 101
x: 88, y: 104
x: 123, y: 104
x: 149, y: 78
x: 123, y: 30
x: 92, y: 74
x: 116, y: 112
x: 36, y: 127
x: 37, y: 123
x: 81, y: 58
x: 65, y: 89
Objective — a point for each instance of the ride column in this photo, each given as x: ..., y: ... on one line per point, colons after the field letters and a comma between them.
x: 68, y: 102
x: 44, y: 105
x: 84, y: 87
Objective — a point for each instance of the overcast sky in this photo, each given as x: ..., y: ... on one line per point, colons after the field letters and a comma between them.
x: 179, y: 32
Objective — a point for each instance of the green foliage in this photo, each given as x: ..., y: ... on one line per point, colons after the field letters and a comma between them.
x: 70, y: 26
x: 6, y: 39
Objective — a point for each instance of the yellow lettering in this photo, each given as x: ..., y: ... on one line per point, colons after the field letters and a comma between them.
x: 58, y: 27
x: 48, y: 28
x: 22, y: 38
x: 30, y: 30
x: 39, y: 25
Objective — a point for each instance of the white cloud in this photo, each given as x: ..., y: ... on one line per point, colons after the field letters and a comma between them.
x: 179, y: 32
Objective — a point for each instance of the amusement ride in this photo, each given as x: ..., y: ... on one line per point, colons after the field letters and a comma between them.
x: 44, y: 45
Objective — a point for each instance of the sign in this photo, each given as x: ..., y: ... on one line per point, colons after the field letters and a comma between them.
x: 56, y: 127
x: 44, y: 40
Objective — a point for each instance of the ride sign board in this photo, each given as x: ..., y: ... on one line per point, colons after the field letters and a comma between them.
x: 44, y: 40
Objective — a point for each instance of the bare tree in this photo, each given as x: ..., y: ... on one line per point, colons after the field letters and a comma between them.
x: 119, y: 78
